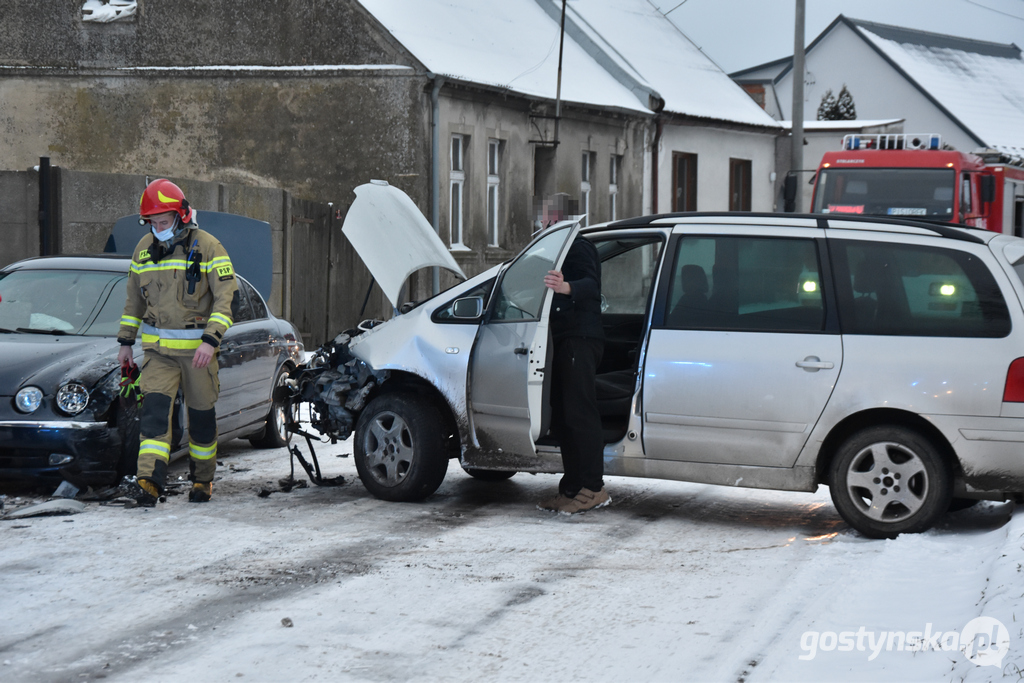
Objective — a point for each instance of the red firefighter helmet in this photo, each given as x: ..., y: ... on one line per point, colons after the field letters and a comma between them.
x: 162, y: 196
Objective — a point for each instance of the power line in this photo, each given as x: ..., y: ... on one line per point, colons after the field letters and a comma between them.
x: 675, y: 8
x: 990, y: 9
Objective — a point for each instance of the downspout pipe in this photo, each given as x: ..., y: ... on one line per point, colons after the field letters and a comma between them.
x: 45, y: 207
x: 435, y: 172
x: 654, y: 163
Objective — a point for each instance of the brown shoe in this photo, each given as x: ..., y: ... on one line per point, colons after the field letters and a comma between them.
x: 584, y: 500
x: 553, y: 503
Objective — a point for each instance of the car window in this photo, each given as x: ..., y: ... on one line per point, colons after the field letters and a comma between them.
x: 746, y: 283
x: 241, y: 309
x: 627, y: 271
x: 521, y: 291
x: 108, y: 321
x: 75, y: 302
x: 258, y: 309
x: 915, y: 290
x: 445, y: 313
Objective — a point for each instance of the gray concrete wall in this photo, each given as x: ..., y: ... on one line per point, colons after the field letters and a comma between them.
x: 19, y: 216
x: 316, y: 136
x: 188, y: 32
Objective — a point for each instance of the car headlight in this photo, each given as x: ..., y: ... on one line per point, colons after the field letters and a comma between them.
x: 28, y: 399
x: 72, y: 398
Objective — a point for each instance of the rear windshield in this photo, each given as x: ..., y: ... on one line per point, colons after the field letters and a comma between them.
x: 886, y: 191
x: 74, y: 302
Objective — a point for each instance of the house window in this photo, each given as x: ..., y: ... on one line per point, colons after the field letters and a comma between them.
x: 614, y: 164
x: 684, y: 181
x: 457, y: 180
x: 588, y: 161
x: 739, y: 184
x: 493, y: 190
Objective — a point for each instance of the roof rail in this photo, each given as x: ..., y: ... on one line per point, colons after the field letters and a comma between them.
x: 947, y: 230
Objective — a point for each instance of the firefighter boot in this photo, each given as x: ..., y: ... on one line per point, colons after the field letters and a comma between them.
x: 201, y: 492
x: 147, y: 494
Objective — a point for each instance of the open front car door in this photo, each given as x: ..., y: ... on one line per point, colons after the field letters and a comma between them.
x: 508, y: 363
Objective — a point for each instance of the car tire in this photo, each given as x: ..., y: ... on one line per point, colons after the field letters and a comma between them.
x: 489, y: 475
x: 890, y: 480
x: 399, y: 448
x: 274, y: 434
x: 128, y: 415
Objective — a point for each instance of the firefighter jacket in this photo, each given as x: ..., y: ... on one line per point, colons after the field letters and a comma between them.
x: 179, y: 297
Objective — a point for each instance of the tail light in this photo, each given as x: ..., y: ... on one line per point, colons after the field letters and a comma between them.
x: 1014, y: 391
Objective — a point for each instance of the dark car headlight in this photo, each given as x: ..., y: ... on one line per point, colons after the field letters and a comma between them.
x: 72, y: 398
x: 28, y: 399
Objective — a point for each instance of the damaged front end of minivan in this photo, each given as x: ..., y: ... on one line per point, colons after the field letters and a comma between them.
x: 333, y: 387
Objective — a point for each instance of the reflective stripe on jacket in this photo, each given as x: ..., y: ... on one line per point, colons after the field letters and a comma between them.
x: 159, y: 306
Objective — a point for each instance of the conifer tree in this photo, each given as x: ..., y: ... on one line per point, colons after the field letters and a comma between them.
x: 845, y: 110
x: 827, y: 108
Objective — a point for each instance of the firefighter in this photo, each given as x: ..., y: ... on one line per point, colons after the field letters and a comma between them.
x: 181, y: 287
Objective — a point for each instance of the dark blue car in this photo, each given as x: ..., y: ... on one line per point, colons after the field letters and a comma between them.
x: 60, y: 412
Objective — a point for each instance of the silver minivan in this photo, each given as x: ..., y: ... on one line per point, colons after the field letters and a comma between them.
x: 883, y: 358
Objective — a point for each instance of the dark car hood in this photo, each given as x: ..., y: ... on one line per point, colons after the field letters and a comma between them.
x: 48, y: 361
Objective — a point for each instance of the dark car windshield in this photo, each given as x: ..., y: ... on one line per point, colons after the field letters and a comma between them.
x: 78, y: 302
x: 886, y: 192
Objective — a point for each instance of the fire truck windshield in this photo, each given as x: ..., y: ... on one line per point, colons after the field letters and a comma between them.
x: 886, y: 191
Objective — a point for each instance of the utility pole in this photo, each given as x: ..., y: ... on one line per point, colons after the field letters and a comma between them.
x: 797, y: 129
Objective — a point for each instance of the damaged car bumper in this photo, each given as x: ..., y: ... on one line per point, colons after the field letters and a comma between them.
x: 87, y: 451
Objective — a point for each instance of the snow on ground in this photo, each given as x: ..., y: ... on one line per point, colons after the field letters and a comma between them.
x: 672, y: 582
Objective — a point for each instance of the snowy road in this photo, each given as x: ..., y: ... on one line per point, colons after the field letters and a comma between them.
x: 672, y: 582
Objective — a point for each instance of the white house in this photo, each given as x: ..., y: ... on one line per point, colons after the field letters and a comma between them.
x: 969, y: 91
x: 712, y: 148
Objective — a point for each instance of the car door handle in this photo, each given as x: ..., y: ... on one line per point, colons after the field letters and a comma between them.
x: 813, y: 364
x: 520, y: 351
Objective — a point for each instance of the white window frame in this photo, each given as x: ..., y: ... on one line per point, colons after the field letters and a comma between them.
x: 586, y: 171
x: 613, y: 187
x: 457, y: 179
x: 493, y: 191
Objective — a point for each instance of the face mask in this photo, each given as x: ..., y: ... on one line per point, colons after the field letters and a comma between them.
x: 164, y: 235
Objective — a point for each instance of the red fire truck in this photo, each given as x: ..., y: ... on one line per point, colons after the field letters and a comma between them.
x: 912, y: 175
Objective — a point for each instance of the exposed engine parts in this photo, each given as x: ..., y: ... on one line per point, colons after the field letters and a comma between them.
x: 335, y: 384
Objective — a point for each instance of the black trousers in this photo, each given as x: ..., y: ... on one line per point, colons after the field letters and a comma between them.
x: 575, y: 419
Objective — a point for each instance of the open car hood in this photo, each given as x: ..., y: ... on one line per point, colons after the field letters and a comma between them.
x: 393, y: 237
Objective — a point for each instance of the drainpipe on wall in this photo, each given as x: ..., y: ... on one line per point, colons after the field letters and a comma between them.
x: 45, y: 207
x: 654, y: 164
x: 435, y: 172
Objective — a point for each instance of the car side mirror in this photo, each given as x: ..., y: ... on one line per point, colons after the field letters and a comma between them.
x: 468, y: 308
x: 988, y: 188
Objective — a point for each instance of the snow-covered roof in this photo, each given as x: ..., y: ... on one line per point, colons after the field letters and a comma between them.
x: 510, y: 44
x: 642, y: 38
x: 618, y: 53
x: 852, y: 124
x: 980, y: 84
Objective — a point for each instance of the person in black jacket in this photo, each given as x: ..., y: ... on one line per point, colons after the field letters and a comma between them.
x: 578, y: 346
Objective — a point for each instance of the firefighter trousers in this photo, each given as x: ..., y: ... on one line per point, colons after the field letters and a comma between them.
x: 161, y: 376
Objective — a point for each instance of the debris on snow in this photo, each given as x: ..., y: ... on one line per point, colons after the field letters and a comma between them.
x: 62, y: 506
x: 66, y: 490
x: 287, y: 623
